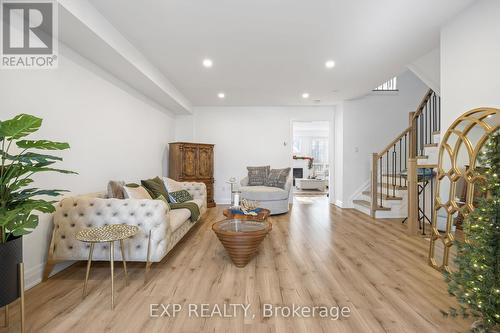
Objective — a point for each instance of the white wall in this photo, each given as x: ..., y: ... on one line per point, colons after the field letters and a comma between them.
x: 428, y: 69
x: 470, y: 61
x: 369, y: 124
x: 338, y: 153
x: 246, y: 136
x: 114, y: 133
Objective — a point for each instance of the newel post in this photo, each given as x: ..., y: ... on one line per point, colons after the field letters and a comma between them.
x: 374, y: 184
x: 412, y: 179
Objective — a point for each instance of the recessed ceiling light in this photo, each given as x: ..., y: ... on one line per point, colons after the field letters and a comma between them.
x: 208, y: 63
x: 221, y: 95
x: 305, y: 95
x: 330, y: 64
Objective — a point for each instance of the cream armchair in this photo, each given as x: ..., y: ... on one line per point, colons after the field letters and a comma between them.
x: 273, y: 198
x: 159, y: 227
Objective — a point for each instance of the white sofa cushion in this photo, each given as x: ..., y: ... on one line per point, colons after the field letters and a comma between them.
x: 178, y: 217
x: 263, y: 193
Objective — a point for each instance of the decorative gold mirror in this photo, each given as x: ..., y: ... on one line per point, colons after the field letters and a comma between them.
x: 457, y: 180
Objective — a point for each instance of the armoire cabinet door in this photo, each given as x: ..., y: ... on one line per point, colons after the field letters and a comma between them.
x: 189, y: 161
x: 205, y: 160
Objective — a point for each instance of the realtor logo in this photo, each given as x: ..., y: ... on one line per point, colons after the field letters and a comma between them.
x: 28, y: 34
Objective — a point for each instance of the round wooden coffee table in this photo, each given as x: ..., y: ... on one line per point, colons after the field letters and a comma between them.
x: 241, y: 238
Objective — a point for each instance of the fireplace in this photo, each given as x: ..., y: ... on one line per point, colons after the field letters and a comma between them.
x: 297, y: 173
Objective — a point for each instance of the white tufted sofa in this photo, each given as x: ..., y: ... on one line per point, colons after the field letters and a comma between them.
x: 153, y: 217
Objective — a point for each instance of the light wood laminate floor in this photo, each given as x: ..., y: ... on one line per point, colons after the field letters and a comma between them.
x: 315, y: 255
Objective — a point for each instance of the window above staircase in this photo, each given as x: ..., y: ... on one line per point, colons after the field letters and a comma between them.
x: 391, y: 85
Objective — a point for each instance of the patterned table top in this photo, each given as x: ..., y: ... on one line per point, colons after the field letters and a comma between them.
x: 107, y: 233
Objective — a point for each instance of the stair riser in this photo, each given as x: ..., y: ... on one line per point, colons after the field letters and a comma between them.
x: 362, y: 209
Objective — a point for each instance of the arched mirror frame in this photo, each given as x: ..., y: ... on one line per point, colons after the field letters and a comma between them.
x: 470, y: 119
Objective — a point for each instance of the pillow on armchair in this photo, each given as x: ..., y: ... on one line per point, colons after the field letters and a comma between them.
x: 277, y: 177
x: 257, y: 176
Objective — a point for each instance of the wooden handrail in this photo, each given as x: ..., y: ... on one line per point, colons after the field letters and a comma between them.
x: 423, y: 103
x: 389, y: 146
x: 423, y: 117
x: 419, y: 111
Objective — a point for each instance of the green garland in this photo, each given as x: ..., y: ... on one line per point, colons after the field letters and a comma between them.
x: 310, y: 160
x: 476, y: 283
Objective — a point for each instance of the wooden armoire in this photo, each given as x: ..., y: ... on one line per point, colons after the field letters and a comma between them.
x: 193, y: 162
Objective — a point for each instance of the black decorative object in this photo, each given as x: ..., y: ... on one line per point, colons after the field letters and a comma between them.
x: 11, y: 255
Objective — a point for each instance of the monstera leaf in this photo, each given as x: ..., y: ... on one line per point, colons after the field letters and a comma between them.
x: 42, y: 144
x: 17, y: 202
x: 19, y: 126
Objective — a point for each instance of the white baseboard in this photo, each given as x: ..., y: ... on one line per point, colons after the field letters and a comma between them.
x: 222, y: 201
x: 33, y: 276
x: 339, y: 203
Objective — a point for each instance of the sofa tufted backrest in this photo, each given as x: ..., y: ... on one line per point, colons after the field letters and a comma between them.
x: 197, y: 190
x: 75, y: 213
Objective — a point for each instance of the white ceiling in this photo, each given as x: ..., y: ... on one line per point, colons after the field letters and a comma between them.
x: 268, y: 52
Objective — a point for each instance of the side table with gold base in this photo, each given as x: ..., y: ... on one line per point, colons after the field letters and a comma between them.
x: 107, y: 234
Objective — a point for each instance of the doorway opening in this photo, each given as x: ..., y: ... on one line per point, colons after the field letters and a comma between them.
x: 310, y: 152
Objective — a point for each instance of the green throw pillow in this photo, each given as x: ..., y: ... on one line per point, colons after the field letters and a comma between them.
x: 155, y: 187
x: 180, y: 196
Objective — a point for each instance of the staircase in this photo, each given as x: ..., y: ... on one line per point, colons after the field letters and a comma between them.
x: 395, y: 170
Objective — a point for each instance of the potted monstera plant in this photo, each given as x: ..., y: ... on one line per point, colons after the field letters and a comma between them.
x: 20, y: 160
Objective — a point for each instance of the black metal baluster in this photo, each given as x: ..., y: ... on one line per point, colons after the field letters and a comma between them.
x: 425, y: 123
x: 419, y: 191
x: 406, y: 158
x: 393, y: 171
x: 381, y: 180
x: 424, y: 185
x: 428, y: 115
x: 387, y: 172
x: 429, y: 119
x: 439, y: 113
x: 415, y: 141
x: 400, y: 156
x: 422, y: 134
x: 434, y: 128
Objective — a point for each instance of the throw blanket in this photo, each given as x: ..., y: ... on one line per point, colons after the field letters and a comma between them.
x: 193, y: 208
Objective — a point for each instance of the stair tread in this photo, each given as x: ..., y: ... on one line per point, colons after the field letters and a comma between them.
x: 390, y: 185
x: 428, y: 145
x: 368, y: 205
x: 436, y: 132
x: 422, y: 157
x: 391, y: 175
x: 427, y: 166
x: 384, y: 196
